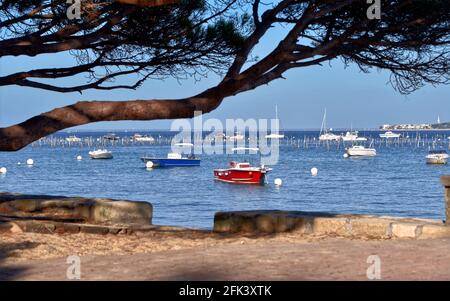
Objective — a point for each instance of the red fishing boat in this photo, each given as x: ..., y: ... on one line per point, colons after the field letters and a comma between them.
x: 242, y: 173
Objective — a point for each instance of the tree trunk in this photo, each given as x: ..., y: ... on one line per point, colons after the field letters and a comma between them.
x: 17, y: 136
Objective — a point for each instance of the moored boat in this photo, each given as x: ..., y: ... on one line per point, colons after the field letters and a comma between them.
x: 242, y: 172
x: 329, y: 137
x: 361, y: 151
x: 111, y: 137
x: 437, y: 157
x: 389, y: 134
x: 174, y: 159
x: 143, y: 138
x: 275, y: 135
x: 236, y: 137
x: 352, y: 136
x: 324, y: 135
x: 73, y: 139
x: 101, y: 154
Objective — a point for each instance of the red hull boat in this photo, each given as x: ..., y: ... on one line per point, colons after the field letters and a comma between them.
x: 242, y: 173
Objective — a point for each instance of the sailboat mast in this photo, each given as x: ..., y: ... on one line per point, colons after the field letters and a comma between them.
x: 324, y: 122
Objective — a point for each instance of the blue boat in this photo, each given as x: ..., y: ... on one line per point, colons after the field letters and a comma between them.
x: 173, y: 160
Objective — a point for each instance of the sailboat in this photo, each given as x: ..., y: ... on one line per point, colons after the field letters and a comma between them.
x: 275, y: 135
x: 324, y: 135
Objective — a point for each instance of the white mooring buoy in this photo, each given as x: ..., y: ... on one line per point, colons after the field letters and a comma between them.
x: 149, y: 164
x: 3, y: 170
x: 345, y: 155
x: 30, y: 162
x: 278, y: 182
x: 79, y: 158
x: 314, y: 171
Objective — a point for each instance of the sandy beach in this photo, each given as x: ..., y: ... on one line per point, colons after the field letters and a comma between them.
x: 197, y: 255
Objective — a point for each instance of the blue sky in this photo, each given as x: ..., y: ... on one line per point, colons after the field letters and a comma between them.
x: 352, y: 98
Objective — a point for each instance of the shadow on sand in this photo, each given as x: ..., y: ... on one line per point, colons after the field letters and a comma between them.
x: 12, y: 272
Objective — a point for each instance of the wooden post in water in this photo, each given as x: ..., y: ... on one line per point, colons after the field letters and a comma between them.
x: 445, y: 180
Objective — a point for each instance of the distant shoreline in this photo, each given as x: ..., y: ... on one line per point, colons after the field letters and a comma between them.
x: 282, y: 130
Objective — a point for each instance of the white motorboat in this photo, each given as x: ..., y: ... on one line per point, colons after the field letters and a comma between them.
x: 329, y: 137
x: 73, y: 139
x: 111, y: 137
x: 389, y: 134
x: 437, y: 157
x: 143, y: 138
x: 352, y: 136
x: 324, y: 135
x: 359, y: 150
x: 275, y: 135
x: 100, y: 154
x: 236, y: 137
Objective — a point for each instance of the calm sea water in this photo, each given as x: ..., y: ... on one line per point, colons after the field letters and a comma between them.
x: 396, y: 182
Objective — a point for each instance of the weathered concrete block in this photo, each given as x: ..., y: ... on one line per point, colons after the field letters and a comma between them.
x: 37, y: 227
x: 370, y: 227
x: 244, y: 224
x: 328, y: 225
x: 265, y: 223
x: 323, y: 223
x: 294, y: 222
x: 76, y: 209
x: 222, y: 222
x: 67, y: 228
x: 93, y: 229
x: 445, y: 180
x: 405, y: 230
x: 434, y: 231
x: 121, y: 212
x: 236, y: 222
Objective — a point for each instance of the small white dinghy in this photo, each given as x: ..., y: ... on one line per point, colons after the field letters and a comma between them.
x: 437, y: 157
x: 100, y: 154
x: 359, y: 150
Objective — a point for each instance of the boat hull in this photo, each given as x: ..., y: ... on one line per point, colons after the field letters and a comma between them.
x: 254, y: 177
x: 389, y: 136
x: 361, y: 153
x: 347, y: 139
x: 275, y: 136
x: 165, y: 162
x: 329, y: 137
x: 102, y: 156
x: 437, y: 160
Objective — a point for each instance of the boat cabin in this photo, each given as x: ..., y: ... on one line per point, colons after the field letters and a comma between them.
x: 174, y: 156
x: 437, y: 152
x: 234, y: 164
